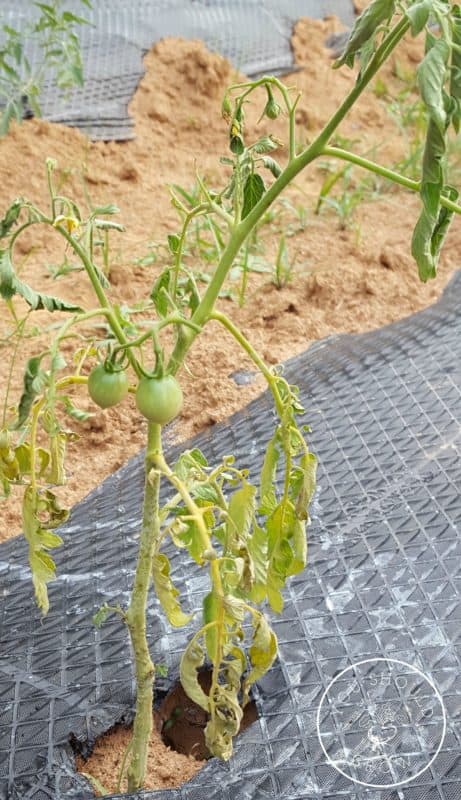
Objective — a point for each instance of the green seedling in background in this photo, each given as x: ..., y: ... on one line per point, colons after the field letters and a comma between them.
x: 21, y: 83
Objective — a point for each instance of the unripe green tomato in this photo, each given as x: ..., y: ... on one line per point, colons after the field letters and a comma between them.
x: 159, y: 399
x: 106, y: 388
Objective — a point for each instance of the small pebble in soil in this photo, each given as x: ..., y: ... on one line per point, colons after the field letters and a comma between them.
x: 243, y: 377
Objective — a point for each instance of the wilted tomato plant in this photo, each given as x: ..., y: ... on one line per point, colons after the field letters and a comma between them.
x: 249, y: 536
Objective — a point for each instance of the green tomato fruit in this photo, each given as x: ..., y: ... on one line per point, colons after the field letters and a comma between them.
x: 106, y: 388
x: 159, y: 399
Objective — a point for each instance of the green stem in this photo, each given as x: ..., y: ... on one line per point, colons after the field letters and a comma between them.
x: 257, y: 360
x: 136, y: 614
x: 242, y: 230
x: 389, y: 174
x: 101, y: 295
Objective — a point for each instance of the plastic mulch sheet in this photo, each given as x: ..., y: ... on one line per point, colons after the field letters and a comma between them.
x: 364, y: 700
x: 253, y: 34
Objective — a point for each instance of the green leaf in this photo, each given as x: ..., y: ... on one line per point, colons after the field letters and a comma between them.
x: 10, y: 285
x: 430, y: 232
x: 72, y: 410
x: 267, y: 144
x: 272, y: 166
x: 101, y: 615
x: 39, y: 512
x: 308, y: 464
x: 241, y: 511
x: 167, y: 592
x: 190, y: 538
x: 268, y: 499
x: 158, y: 297
x: 253, y: 191
x: 23, y: 455
x: 455, y: 74
x: 58, y: 444
x: 192, y: 659
x: 418, y: 14
x: 11, y: 217
x: 430, y: 77
x: 33, y: 382
x: 173, y: 243
x: 110, y: 208
x: 258, y: 549
x: 262, y: 652
x: 365, y: 27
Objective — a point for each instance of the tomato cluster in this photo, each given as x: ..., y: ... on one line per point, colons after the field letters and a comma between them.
x: 158, y: 399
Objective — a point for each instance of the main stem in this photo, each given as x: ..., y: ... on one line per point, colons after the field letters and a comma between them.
x: 136, y: 614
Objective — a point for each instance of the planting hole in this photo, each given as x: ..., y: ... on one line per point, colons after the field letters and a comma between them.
x: 182, y: 722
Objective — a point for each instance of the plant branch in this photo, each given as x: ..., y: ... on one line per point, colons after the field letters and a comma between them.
x: 395, y: 177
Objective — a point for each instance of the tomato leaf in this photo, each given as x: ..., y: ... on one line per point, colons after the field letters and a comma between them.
x: 167, y: 592
x: 455, y: 74
x: 11, y: 217
x: 430, y: 77
x: 272, y: 165
x: 365, y: 27
x: 33, y: 382
x: 308, y: 464
x: 36, y: 507
x: 240, y: 516
x: 262, y: 653
x: 267, y: 495
x: 418, y: 14
x: 10, y: 285
x: 192, y: 659
x: 253, y: 191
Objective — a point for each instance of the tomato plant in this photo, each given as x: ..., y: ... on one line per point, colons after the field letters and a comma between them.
x: 250, y: 536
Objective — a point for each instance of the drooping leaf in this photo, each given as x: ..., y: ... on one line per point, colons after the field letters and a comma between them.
x: 10, y: 285
x: 167, y: 592
x: 23, y: 455
x: 258, y: 550
x: 262, y: 652
x: 33, y: 382
x: 225, y: 718
x: 365, y: 27
x: 41, y: 511
x: 252, y: 192
x: 455, y: 73
x: 192, y: 659
x: 272, y: 166
x: 10, y: 217
x: 241, y: 511
x: 267, y: 495
x: 158, y: 297
x: 308, y: 465
x: 72, y: 410
x: 430, y: 77
x: 267, y: 144
x: 418, y: 14
x: 430, y: 232
x: 173, y: 243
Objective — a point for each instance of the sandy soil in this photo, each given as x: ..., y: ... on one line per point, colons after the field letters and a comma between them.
x: 349, y: 275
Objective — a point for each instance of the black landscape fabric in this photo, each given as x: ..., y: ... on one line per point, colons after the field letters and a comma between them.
x: 253, y: 34
x: 364, y: 699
